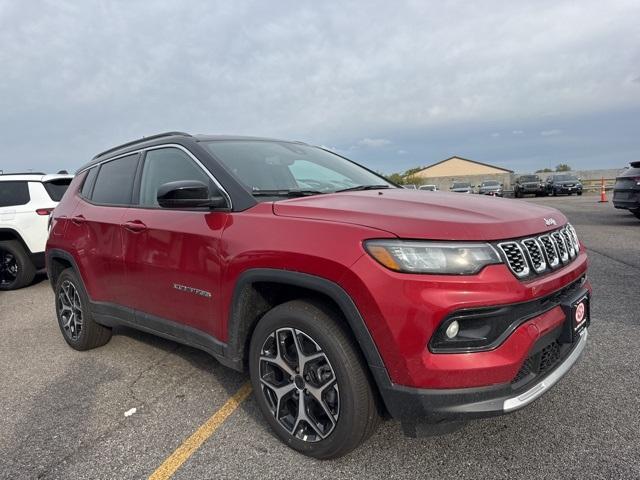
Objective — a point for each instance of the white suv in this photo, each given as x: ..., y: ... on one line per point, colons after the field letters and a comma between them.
x: 26, y: 201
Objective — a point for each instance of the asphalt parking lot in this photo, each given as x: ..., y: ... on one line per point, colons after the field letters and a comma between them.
x: 62, y: 411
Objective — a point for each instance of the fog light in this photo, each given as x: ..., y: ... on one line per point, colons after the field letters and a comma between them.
x: 452, y: 329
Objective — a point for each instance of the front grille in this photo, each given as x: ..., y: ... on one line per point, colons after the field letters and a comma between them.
x: 542, y: 253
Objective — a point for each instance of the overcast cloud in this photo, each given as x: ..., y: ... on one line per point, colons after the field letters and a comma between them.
x: 390, y: 84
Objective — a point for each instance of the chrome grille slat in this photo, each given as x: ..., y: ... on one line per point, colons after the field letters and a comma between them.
x: 541, y: 253
x: 550, y: 251
x: 558, y: 239
x: 569, y: 242
x: 515, y: 258
x: 536, y: 257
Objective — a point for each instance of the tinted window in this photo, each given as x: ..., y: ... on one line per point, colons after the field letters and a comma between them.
x: 167, y: 165
x: 56, y: 188
x: 461, y: 185
x: 529, y: 178
x: 490, y: 183
x: 115, y: 181
x: 13, y: 193
x: 89, y: 180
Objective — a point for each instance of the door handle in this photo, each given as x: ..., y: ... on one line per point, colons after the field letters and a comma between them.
x: 135, y: 226
x: 78, y: 219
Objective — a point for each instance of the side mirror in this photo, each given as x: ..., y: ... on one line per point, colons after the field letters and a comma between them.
x: 189, y: 194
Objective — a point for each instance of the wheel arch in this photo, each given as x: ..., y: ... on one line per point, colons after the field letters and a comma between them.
x: 11, y: 234
x: 251, y: 300
x: 57, y: 261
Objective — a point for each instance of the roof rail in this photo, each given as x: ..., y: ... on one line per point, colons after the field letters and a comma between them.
x: 143, y: 139
x: 21, y: 173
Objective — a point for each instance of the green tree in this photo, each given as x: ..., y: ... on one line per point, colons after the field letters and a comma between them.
x: 544, y: 170
x: 563, y: 167
x: 395, y: 178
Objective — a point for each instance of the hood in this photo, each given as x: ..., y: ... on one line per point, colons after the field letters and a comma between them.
x: 566, y: 182
x: 435, y: 216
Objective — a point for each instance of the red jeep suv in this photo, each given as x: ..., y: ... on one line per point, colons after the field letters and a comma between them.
x: 346, y: 297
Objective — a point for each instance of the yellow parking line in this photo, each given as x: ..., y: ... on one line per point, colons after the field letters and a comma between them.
x: 191, y: 444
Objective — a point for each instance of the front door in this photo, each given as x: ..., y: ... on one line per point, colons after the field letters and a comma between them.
x: 172, y: 257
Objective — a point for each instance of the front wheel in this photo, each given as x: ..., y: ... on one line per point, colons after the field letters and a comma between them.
x: 636, y: 212
x: 310, y: 380
x: 579, y: 194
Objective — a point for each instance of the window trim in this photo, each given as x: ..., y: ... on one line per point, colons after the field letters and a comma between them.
x: 141, y: 152
x: 93, y: 187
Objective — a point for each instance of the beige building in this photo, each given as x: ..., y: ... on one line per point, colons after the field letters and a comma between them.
x: 458, y: 169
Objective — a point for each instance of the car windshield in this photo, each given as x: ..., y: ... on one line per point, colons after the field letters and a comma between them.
x: 529, y: 178
x: 490, y: 183
x: 564, y: 178
x: 461, y: 185
x: 279, y: 168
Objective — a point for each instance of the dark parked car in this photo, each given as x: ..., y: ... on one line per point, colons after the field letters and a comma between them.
x: 491, y: 187
x: 626, y: 192
x: 564, y: 183
x: 528, y: 185
x: 461, y: 187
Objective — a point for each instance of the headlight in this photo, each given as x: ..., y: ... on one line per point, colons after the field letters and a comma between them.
x: 444, y: 258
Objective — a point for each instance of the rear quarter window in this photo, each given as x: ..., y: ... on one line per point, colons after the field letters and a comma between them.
x: 56, y: 188
x: 14, y: 193
x: 114, y: 185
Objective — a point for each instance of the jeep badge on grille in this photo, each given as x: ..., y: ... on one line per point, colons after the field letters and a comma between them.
x: 549, y: 221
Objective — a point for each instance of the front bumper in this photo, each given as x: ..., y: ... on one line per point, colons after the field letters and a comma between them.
x: 563, y: 189
x: 424, y: 412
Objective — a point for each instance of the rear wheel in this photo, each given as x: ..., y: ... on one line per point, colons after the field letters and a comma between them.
x: 636, y: 212
x: 76, y: 323
x: 310, y: 381
x: 16, y: 268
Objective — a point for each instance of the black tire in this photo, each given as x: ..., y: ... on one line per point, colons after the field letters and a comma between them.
x: 636, y: 212
x: 357, y: 415
x: 16, y: 268
x: 84, y: 334
x: 579, y: 194
x: 555, y: 194
x: 518, y: 194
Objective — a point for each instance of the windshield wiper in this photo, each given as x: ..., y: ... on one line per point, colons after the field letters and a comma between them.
x: 285, y: 193
x: 363, y: 187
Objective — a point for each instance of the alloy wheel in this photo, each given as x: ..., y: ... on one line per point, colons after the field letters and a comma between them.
x: 8, y: 268
x: 299, y: 384
x: 70, y: 310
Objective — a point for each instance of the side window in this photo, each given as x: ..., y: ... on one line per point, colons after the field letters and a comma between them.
x: 14, y: 193
x: 89, y: 180
x: 167, y: 165
x: 114, y: 185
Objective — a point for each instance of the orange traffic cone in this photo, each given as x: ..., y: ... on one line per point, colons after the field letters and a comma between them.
x: 603, y: 193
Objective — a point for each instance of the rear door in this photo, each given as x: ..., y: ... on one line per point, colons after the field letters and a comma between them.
x: 95, y: 228
x: 173, y: 257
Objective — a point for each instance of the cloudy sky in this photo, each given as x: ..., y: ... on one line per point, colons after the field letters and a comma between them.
x: 392, y: 85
